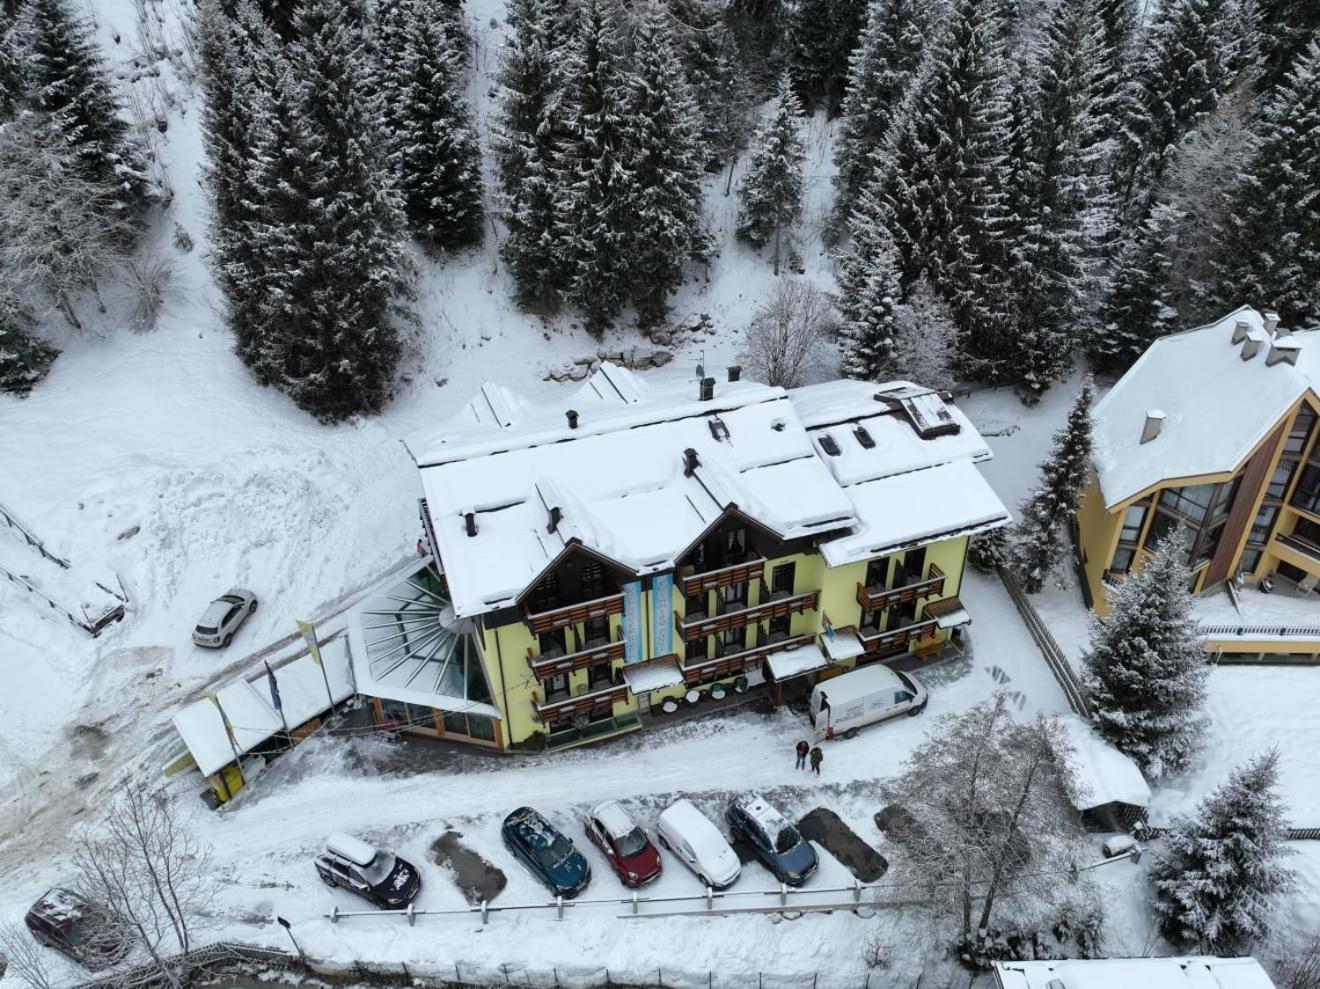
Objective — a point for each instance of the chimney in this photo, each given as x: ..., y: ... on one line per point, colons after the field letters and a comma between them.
x: 690, y: 462
x: 1283, y: 350
x: 471, y: 519
x: 555, y: 516
x: 707, y: 389
x: 1240, y: 329
x: 1250, y: 347
x: 735, y: 372
x: 1151, y: 428
x: 1271, y: 321
x: 572, y: 417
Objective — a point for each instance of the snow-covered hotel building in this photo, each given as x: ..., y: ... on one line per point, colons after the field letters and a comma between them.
x: 1212, y: 433
x: 594, y: 557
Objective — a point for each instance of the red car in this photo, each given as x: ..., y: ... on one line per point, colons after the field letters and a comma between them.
x: 625, y: 845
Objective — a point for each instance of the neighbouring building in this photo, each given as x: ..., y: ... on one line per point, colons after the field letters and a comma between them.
x: 1200, y: 972
x: 597, y: 556
x: 1212, y: 433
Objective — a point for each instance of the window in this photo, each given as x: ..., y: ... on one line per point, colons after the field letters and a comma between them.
x: 868, y: 619
x: 1133, y: 519
x: 779, y: 627
x: 695, y: 605
x: 781, y: 578
x: 598, y: 675
x: 695, y: 651
x: 546, y: 594
x: 552, y: 643
x: 1261, y: 528
x: 735, y: 545
x: 736, y: 594
x: 556, y: 686
x: 1308, y: 531
x: 1207, y: 544
x: 877, y: 571
x: 421, y: 717
x: 1191, y: 501
x: 1307, y: 495
x: 1161, y: 525
x: 1283, y: 473
x: 596, y: 630
x: 1250, y: 561
x: 1224, y: 495
x: 1122, y: 561
x: 1300, y: 431
x: 830, y: 445
x: 593, y: 580
x: 735, y: 640
x: 914, y: 562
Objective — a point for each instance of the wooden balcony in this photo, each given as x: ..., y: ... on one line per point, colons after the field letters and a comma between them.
x: 739, y: 662
x: 879, y: 598
x: 572, y: 614
x: 568, y: 707
x: 546, y: 667
x: 1298, y: 544
x: 750, y: 615
x: 737, y: 573
x: 942, y: 608
x: 875, y: 641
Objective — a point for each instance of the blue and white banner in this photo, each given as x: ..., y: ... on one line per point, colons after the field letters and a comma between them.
x: 632, y: 621
x: 662, y: 614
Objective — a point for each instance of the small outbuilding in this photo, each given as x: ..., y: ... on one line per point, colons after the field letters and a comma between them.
x: 1105, y: 786
x: 1201, y: 972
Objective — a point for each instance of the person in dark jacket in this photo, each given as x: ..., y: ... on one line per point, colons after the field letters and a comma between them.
x: 802, y: 748
x: 816, y: 756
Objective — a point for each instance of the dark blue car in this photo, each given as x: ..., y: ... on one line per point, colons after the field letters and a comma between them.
x: 780, y: 846
x: 551, y: 856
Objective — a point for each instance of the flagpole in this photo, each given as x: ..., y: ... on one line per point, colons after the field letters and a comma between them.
x: 308, y: 631
x: 229, y: 733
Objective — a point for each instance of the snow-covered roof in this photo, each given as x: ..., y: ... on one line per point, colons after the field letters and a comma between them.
x: 606, y: 469
x: 709, y: 846
x: 1148, y: 973
x: 1216, y: 406
x: 842, y: 644
x: 1100, y: 773
x: 653, y: 674
x: 252, y: 715
x: 796, y: 662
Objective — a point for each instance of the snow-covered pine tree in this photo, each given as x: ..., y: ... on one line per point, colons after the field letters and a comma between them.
x: 1145, y: 670
x: 1284, y: 31
x: 705, y: 46
x: 867, y: 337
x: 758, y: 27
x: 1037, y: 545
x: 887, y: 55
x: 1219, y: 873
x: 926, y: 341
x: 328, y: 244
x: 771, y: 189
x: 662, y: 154
x: 1269, y: 249
x: 278, y: 15
x: 66, y: 78
x: 24, y: 359
x: 597, y: 196
x: 526, y: 131
x: 819, y: 36
x: 1138, y: 309
x: 11, y: 73
x: 433, y: 152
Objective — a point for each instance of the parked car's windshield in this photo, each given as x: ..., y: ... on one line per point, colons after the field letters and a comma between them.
x: 206, y: 629
x: 787, y: 839
x: 380, y: 868
x: 912, y: 687
x: 555, y: 852
x: 230, y: 599
x: 632, y: 843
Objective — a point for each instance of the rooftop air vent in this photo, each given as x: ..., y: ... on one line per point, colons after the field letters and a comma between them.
x: 707, y: 389
x: 718, y: 429
x: 864, y: 438
x: 830, y: 445
x: 1271, y: 319
x: 1283, y: 350
x: 735, y: 372
x: 555, y: 516
x: 1240, y: 330
x: 778, y: 425
x: 470, y: 519
x: 690, y: 462
x: 572, y: 417
x: 1154, y: 423
x: 1250, y: 348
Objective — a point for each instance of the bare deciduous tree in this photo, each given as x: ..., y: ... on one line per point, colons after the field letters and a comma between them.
x: 1299, y: 968
x: 149, y: 872
x: 26, y: 956
x: 148, y: 278
x: 926, y: 339
x: 61, y: 231
x: 786, y: 337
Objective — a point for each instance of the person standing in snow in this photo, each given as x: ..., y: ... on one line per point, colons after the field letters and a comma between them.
x: 816, y: 756
x: 802, y: 748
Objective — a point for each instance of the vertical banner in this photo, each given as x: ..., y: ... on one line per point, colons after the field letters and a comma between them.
x: 632, y: 621
x: 662, y: 614
x: 308, y: 631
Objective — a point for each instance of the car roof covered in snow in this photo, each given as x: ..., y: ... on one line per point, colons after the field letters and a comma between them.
x: 617, y: 481
x: 701, y: 833
x: 532, y: 826
x: 354, y: 849
x: 1138, y: 973
x: 762, y: 812
x: 61, y: 907
x: 859, y: 683
x: 1216, y: 407
x: 615, y: 819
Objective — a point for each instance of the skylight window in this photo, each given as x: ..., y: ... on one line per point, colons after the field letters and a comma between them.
x: 830, y: 445
x: 864, y: 438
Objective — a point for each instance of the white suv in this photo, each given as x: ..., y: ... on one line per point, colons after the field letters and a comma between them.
x: 222, y: 618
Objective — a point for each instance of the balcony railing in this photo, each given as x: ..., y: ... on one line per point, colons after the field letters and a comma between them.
x: 567, y: 707
x: 547, y: 666
x: 1297, y: 544
x: 739, y: 662
x: 735, y: 573
x: 879, y: 598
x: 549, y: 619
x: 748, y: 615
x: 874, y: 639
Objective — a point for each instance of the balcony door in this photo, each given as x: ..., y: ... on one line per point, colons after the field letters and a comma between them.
x: 915, y: 564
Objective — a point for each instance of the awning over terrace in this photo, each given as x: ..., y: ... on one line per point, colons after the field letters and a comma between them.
x: 796, y: 662
x: 654, y: 674
x: 408, y: 646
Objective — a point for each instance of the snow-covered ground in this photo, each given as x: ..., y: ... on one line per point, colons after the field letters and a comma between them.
x: 228, y: 484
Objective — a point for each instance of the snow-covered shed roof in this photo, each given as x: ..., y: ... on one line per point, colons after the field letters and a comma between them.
x: 1220, y: 391
x: 1147, y: 973
x: 1100, y: 773
x: 607, y: 469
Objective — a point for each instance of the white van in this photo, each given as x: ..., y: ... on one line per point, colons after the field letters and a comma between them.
x: 699, y: 844
x: 847, y: 703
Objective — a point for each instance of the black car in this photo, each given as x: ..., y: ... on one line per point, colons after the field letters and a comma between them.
x: 550, y: 855
x: 84, y: 931
x: 372, y: 873
x: 777, y: 843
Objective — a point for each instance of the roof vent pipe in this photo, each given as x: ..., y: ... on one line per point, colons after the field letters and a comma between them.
x: 735, y: 372
x: 555, y: 516
x: 1250, y: 347
x: 1240, y: 330
x: 471, y: 519
x: 1271, y: 319
x: 1154, y: 422
x: 572, y: 417
x: 707, y: 389
x: 690, y: 462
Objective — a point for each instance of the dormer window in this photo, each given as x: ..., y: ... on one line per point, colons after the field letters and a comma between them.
x: 830, y: 445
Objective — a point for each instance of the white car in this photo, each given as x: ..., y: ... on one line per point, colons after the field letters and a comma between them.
x: 844, y: 705
x: 216, y: 628
x: 698, y: 844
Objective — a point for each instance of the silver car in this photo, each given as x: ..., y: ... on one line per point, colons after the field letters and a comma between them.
x: 222, y: 618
